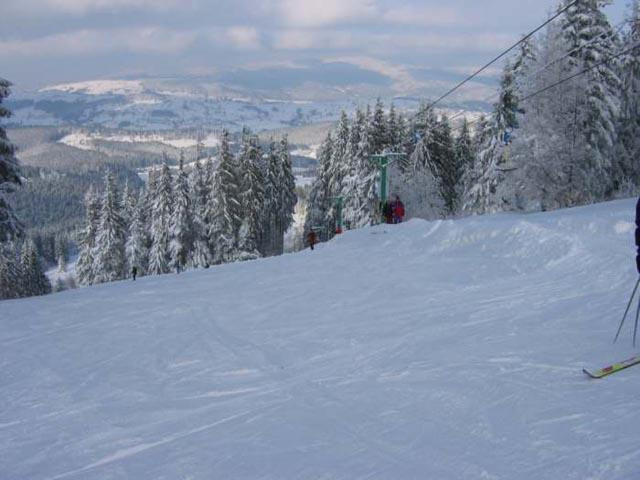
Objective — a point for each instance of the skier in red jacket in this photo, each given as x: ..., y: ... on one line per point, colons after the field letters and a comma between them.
x: 398, y: 210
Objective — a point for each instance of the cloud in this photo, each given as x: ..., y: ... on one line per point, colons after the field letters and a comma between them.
x: 140, y: 40
x: 81, y: 7
x: 299, y: 14
x: 312, y: 40
x: 244, y: 38
x: 423, y: 15
x: 387, y: 43
x: 143, y: 40
x: 374, y: 34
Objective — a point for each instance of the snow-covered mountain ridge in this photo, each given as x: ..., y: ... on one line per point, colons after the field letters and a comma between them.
x: 153, y: 104
x: 447, y: 349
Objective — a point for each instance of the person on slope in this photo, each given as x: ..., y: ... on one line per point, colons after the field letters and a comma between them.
x: 398, y: 210
x: 387, y: 212
x: 312, y: 238
x: 638, y: 235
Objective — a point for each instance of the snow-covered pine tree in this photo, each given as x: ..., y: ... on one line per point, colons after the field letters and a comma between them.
x: 483, y: 189
x: 199, y: 188
x: 251, y: 196
x: 420, y: 143
x: 287, y: 192
x: 160, y: 255
x: 272, y: 204
x: 562, y: 151
x: 627, y: 148
x: 9, y: 275
x: 481, y: 181
x: 210, y: 168
x: 506, y: 109
x: 10, y: 227
x: 33, y: 279
x: 87, y: 238
x: 224, y: 208
x: 319, y: 196
x: 547, y: 150
x: 368, y: 207
x: 12, y: 280
x: 210, y: 206
x: 338, y: 166
x: 591, y: 39
x: 128, y: 203
x: 394, y: 130
x: 407, y: 138
x: 350, y: 174
x: 109, y: 257
x: 61, y: 248
x: 338, y: 169
x: 446, y: 168
x: 378, y: 134
x: 464, y: 146
x: 62, y: 264
x: 146, y: 203
x: 181, y: 223
x: 136, y: 246
x: 523, y: 64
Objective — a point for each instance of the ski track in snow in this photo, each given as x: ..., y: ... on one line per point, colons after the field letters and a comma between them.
x: 444, y: 350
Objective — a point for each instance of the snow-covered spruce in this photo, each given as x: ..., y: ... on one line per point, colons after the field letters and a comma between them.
x: 109, y: 262
x: 10, y: 227
x: 21, y: 274
x: 235, y: 208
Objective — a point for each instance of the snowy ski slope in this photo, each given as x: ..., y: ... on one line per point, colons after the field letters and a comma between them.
x: 430, y: 350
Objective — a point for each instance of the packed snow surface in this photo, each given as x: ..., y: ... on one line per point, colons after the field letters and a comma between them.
x: 430, y: 350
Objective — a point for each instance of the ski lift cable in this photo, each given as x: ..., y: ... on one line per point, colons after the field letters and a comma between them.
x: 575, y: 75
x: 560, y: 82
x: 523, y: 39
x: 492, y: 97
x: 577, y: 49
x: 580, y: 73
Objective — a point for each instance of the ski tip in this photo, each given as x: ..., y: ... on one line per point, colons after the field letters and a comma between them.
x: 589, y: 374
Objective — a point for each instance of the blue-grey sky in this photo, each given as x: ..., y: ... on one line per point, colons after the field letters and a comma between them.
x: 52, y: 41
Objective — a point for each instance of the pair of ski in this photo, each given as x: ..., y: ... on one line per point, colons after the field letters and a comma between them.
x: 616, y: 367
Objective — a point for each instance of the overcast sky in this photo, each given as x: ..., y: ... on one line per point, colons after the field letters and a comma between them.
x: 52, y: 41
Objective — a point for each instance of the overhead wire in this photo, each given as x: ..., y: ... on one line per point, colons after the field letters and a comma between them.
x: 551, y: 63
x: 505, y: 52
x: 563, y: 80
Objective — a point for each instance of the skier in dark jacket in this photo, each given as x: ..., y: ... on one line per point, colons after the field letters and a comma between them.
x: 312, y: 238
x: 387, y: 212
x: 134, y: 272
x: 638, y: 234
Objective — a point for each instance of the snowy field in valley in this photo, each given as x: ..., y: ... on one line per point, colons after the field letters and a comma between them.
x: 431, y: 350
x: 87, y: 141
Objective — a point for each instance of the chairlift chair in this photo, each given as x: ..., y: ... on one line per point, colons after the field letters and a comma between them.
x: 505, y: 164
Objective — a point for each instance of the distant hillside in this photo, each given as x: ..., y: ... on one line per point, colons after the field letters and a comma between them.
x: 194, y: 102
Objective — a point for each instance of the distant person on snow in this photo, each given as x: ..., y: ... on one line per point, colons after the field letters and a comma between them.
x: 312, y: 238
x: 387, y: 212
x: 134, y: 272
x: 398, y: 210
x: 638, y: 234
